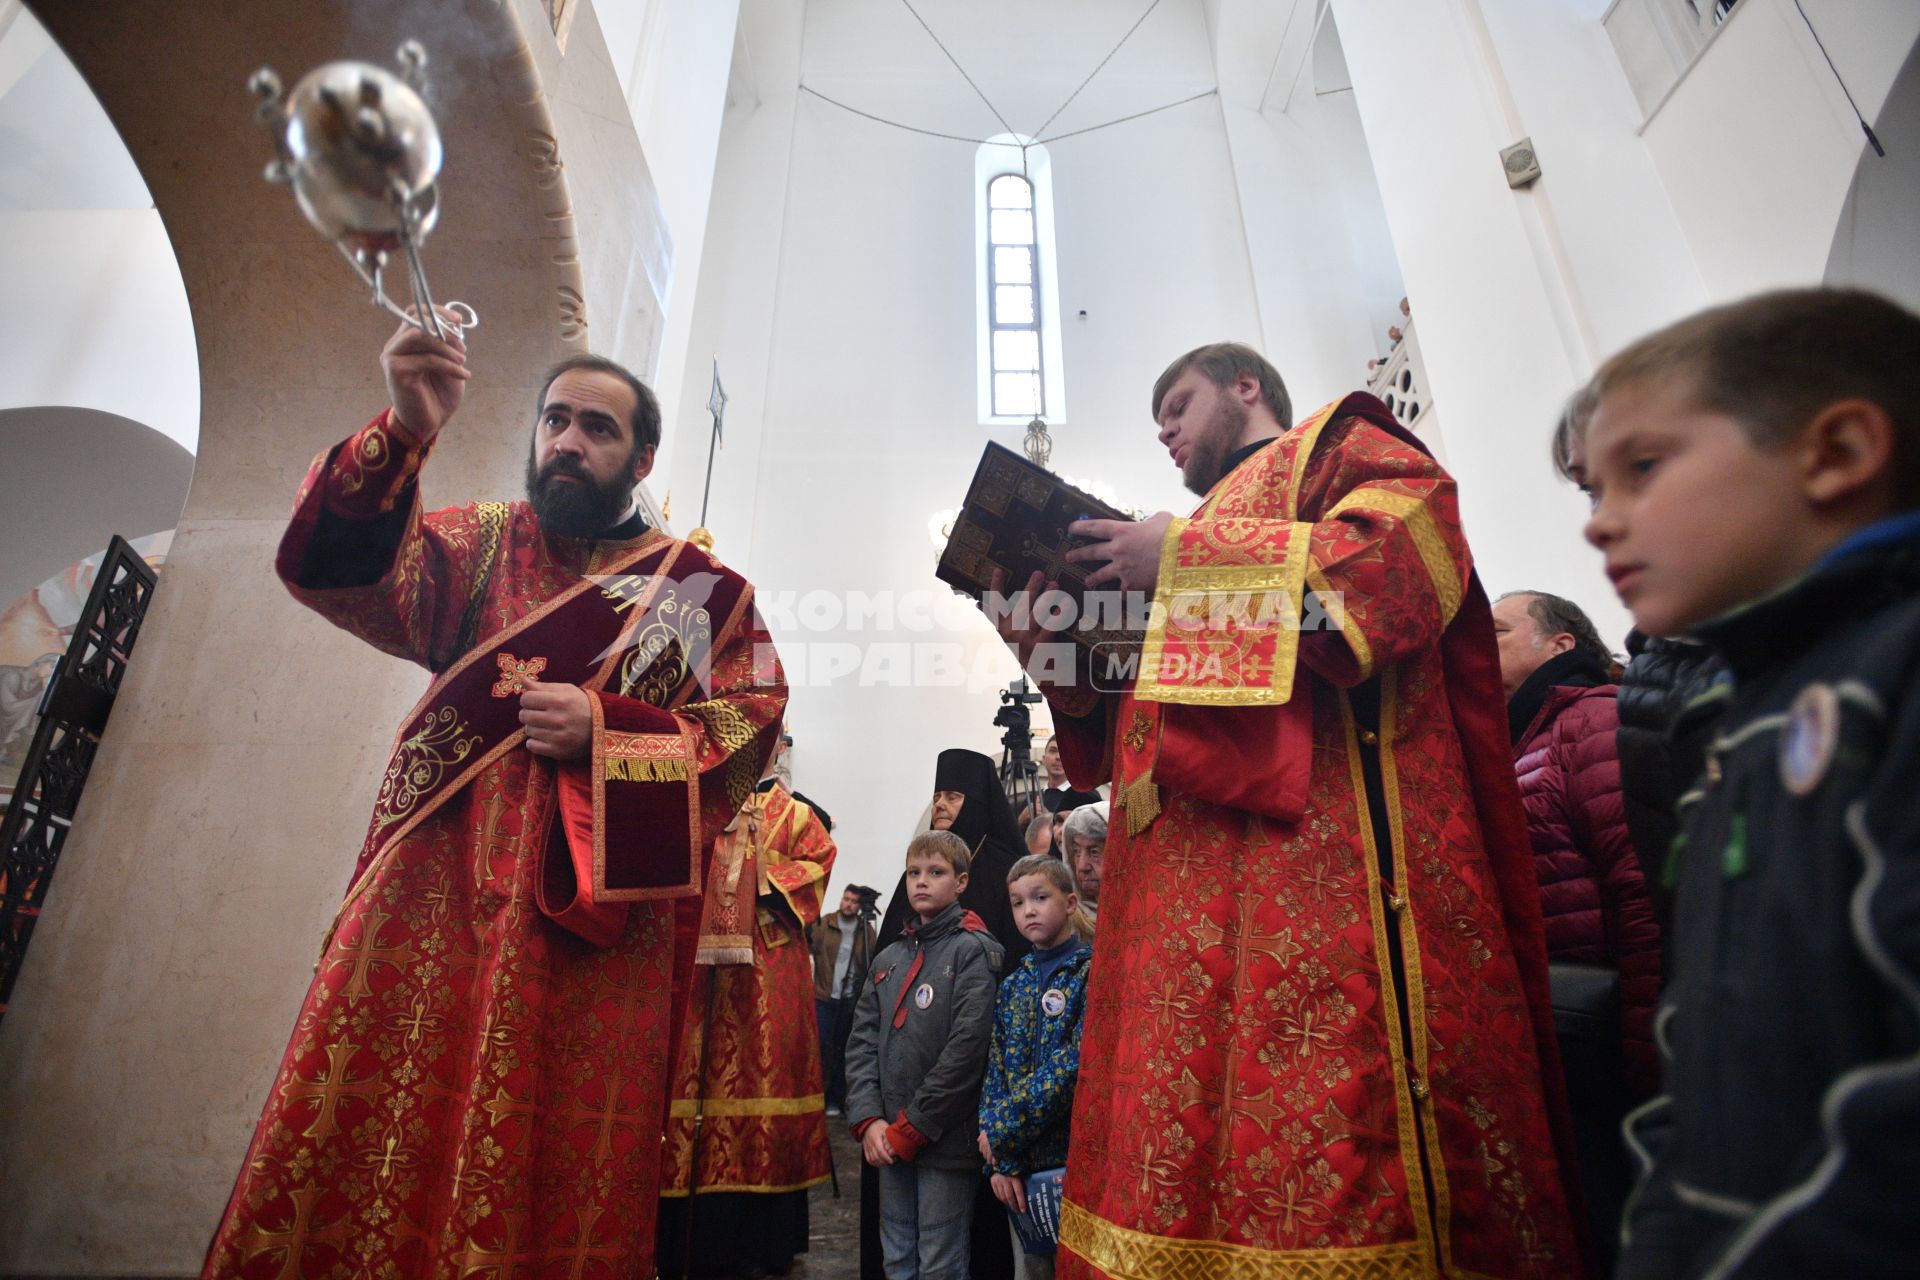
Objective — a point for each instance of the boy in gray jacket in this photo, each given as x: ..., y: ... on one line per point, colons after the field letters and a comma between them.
x: 914, y: 1065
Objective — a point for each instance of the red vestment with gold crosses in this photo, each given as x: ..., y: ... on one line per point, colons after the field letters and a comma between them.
x: 1317, y: 1017
x: 477, y: 1079
x: 749, y: 1067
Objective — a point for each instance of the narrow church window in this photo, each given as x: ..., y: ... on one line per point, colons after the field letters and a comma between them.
x: 1013, y: 321
x: 1019, y: 311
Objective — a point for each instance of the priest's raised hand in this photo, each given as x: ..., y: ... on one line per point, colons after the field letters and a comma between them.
x: 426, y: 377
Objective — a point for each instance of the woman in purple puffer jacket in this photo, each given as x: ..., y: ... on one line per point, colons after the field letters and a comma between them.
x: 1594, y: 897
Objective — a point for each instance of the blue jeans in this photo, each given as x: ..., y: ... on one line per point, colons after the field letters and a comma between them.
x: 925, y: 1218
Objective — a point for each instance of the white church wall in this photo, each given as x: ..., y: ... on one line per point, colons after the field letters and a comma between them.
x: 1624, y: 255
x: 92, y: 310
x: 1501, y: 350
x: 1757, y: 145
x: 1316, y: 323
x: 845, y: 326
x: 93, y: 315
x: 1873, y: 247
x: 672, y: 57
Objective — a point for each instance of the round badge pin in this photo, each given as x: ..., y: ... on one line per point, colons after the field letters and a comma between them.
x: 923, y: 996
x: 1053, y: 1002
x: 1811, y: 736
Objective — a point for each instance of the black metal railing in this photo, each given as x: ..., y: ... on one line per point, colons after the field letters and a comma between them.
x: 73, y: 713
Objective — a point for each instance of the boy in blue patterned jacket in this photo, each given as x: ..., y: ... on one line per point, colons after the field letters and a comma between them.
x: 1027, y: 1097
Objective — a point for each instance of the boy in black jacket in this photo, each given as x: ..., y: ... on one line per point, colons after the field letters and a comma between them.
x: 915, y: 1062
x: 1755, y: 473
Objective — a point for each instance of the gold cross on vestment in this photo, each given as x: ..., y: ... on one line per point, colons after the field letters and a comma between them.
x: 390, y: 1156
x: 366, y: 952
x: 1373, y: 1140
x: 1156, y: 1169
x: 514, y: 674
x: 1245, y: 939
x: 1227, y: 1105
x: 608, y: 1116
x: 490, y: 840
x: 291, y: 1241
x: 474, y: 1260
x: 1291, y: 1201
x: 1173, y: 1002
x: 328, y: 1088
x: 504, y: 1104
x: 581, y: 1250
x: 416, y: 1021
x: 631, y: 994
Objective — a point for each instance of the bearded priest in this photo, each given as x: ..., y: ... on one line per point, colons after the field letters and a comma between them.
x: 478, y: 1076
x: 1317, y: 1039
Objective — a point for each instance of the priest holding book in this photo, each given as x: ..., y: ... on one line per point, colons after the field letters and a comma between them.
x: 1317, y: 1040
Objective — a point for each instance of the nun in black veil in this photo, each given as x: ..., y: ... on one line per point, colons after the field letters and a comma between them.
x: 968, y: 801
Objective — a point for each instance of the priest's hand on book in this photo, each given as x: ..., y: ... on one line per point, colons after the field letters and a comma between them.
x: 1020, y: 628
x: 1130, y: 548
x: 426, y: 378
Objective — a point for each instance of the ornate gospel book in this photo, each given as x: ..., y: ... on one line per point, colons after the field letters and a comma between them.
x: 1019, y: 517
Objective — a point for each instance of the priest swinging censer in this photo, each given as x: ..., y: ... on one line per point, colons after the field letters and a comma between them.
x: 361, y: 152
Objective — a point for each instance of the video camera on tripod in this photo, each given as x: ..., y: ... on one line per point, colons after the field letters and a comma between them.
x: 1019, y: 772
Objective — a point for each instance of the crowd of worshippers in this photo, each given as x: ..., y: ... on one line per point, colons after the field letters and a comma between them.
x: 1721, y: 814
x: 1431, y: 942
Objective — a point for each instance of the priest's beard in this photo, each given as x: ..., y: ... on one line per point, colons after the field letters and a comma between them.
x: 583, y: 510
x: 1207, y: 461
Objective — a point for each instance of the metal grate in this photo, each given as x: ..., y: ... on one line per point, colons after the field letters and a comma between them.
x: 73, y: 713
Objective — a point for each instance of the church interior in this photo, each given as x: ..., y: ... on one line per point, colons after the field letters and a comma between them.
x: 791, y: 218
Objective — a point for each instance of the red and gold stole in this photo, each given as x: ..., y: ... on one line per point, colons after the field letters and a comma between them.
x: 1236, y: 586
x: 642, y: 628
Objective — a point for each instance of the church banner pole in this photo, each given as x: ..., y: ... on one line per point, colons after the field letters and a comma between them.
x: 717, y: 406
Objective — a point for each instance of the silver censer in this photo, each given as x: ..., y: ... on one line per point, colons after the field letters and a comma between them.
x: 361, y: 152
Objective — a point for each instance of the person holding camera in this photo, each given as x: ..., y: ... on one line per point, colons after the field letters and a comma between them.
x: 842, y: 954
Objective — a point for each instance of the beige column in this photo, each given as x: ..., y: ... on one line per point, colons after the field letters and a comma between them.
x: 232, y: 790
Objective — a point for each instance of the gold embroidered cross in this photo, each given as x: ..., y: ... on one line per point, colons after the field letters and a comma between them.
x: 1228, y: 1103
x: 366, y: 952
x: 1136, y: 735
x: 329, y: 1088
x: 1374, y: 1136
x: 514, y: 674
x: 292, y: 1240
x: 607, y: 1117
x: 581, y: 1250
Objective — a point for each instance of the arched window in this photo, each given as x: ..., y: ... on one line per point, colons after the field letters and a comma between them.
x: 1019, y: 323
x: 1013, y: 303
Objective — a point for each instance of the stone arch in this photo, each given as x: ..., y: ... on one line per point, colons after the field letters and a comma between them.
x: 217, y: 831
x: 70, y: 478
x: 1879, y: 225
